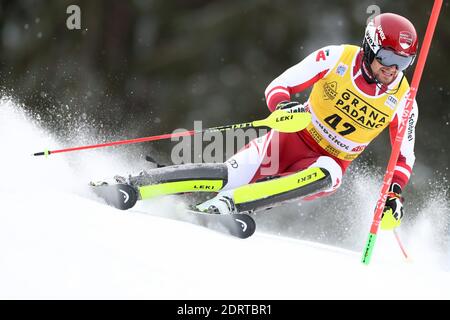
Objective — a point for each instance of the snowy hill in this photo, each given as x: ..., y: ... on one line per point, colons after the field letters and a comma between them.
x: 58, y: 242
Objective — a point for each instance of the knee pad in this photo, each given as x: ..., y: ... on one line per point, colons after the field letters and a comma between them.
x: 334, y: 170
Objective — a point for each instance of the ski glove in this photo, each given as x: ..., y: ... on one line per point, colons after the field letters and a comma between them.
x: 393, y: 209
x: 291, y: 106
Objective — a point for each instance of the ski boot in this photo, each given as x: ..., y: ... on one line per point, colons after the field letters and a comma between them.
x: 220, y: 204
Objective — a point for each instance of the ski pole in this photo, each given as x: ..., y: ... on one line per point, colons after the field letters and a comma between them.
x: 278, y: 120
x: 368, y: 249
x: 402, y: 248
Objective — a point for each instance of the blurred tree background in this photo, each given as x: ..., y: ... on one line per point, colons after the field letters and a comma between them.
x: 144, y: 67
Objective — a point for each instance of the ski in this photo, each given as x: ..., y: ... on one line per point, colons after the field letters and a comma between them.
x: 123, y: 196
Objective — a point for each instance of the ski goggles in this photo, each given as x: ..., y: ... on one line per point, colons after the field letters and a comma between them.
x: 389, y: 58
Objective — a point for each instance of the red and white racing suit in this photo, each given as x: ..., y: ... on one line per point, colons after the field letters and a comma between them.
x: 347, y: 114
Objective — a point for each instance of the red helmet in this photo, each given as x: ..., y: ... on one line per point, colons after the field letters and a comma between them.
x: 392, y: 39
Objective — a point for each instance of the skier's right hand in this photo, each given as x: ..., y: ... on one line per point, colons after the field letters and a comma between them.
x: 393, y: 209
x: 291, y: 106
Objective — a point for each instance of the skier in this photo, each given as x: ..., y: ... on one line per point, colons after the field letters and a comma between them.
x: 357, y: 92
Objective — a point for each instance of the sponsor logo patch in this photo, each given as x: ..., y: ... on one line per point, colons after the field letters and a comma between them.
x: 322, y: 55
x: 405, y: 39
x: 391, y: 102
x: 203, y: 187
x: 330, y: 90
x: 372, y: 37
x: 411, y: 127
x: 359, y: 148
x: 341, y: 69
x: 381, y: 33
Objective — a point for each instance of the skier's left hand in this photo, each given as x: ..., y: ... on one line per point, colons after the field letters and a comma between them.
x: 393, y: 209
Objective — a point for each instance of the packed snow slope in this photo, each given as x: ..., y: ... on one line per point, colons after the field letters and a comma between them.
x: 58, y: 241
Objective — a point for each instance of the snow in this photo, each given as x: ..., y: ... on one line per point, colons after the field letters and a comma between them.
x: 58, y: 242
